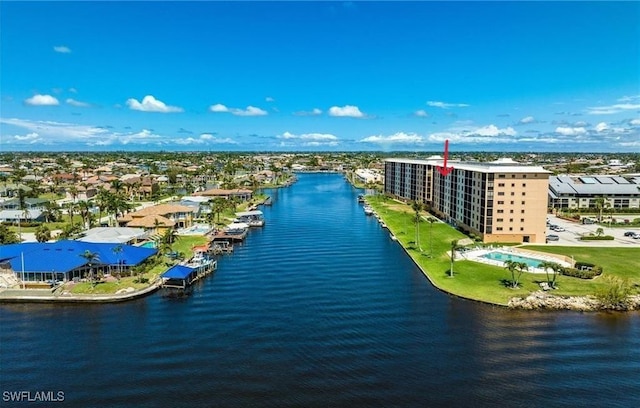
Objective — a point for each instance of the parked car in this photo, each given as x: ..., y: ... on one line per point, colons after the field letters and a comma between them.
x: 636, y: 236
x: 559, y: 229
x: 552, y: 237
x: 629, y: 234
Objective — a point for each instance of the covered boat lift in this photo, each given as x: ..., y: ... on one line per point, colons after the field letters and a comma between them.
x: 253, y: 218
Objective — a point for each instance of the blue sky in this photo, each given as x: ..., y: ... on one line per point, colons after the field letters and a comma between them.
x: 326, y: 76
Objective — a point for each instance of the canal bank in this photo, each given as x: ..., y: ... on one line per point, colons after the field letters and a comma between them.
x: 429, y: 246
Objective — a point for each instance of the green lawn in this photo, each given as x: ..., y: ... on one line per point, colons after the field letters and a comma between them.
x: 486, y: 283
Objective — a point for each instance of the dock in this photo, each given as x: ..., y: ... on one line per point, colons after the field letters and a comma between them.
x: 184, y: 274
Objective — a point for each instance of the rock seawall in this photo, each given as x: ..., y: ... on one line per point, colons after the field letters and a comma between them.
x: 545, y: 300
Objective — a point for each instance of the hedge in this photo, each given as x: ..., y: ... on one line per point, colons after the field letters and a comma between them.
x: 596, y: 238
x: 583, y: 273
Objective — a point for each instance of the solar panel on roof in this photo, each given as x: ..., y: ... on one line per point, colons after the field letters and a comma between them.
x: 588, y: 180
x: 605, y: 180
x: 620, y: 180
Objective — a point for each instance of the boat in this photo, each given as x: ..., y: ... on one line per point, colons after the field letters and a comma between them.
x: 383, y: 225
x: 368, y: 210
x: 268, y: 201
x: 393, y: 237
x: 361, y: 198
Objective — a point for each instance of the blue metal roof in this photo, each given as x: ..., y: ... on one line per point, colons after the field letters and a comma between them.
x: 178, y: 272
x: 63, y: 256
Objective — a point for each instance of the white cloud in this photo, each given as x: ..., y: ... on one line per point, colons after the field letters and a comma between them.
x: 629, y: 98
x: 421, y: 113
x: 445, y: 105
x: 151, y: 104
x: 42, y: 100
x: 527, y: 119
x: 204, y: 138
x: 314, y: 112
x: 218, y: 107
x: 634, y: 122
x: 346, y: 111
x: 249, y: 111
x: 62, y: 49
x: 611, y: 109
x: 77, y: 104
x: 400, y: 138
x: 493, y: 130
x: 601, y: 127
x: 571, y: 131
x: 30, y: 137
x: 309, y: 139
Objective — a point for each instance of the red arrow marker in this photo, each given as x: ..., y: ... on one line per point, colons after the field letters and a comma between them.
x: 444, y: 170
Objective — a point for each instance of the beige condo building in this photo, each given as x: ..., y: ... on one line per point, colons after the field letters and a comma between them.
x: 501, y: 201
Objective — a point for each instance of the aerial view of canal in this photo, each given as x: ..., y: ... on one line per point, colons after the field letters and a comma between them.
x: 319, y: 308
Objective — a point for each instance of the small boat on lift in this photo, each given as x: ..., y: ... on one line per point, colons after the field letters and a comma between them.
x: 368, y: 210
x: 361, y: 198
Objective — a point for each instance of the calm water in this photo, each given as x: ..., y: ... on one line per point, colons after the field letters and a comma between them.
x: 319, y: 309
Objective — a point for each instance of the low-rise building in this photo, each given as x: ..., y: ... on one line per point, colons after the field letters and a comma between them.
x: 573, y: 192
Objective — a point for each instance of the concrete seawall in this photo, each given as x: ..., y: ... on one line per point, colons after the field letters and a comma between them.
x: 45, y: 296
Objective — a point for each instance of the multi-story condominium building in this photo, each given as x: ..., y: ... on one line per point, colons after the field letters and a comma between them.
x: 501, y: 201
x: 571, y: 192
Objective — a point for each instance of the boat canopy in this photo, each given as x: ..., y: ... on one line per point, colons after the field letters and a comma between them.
x: 249, y: 213
x: 178, y: 272
x: 238, y: 225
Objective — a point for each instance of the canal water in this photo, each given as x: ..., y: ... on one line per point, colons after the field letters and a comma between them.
x: 320, y: 308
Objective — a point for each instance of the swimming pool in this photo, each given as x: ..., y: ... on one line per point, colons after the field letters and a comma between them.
x: 148, y: 244
x: 501, y: 256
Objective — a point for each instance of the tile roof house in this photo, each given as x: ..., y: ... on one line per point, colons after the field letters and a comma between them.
x: 161, y: 216
x: 242, y: 194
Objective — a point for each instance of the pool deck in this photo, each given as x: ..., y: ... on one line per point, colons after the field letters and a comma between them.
x: 477, y: 255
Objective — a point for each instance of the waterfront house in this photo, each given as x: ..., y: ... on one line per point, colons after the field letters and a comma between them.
x: 241, y: 194
x: 63, y: 260
x: 163, y: 215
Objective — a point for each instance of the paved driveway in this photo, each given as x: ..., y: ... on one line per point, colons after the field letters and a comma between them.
x: 574, y: 230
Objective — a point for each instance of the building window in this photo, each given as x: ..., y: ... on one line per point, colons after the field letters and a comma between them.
x: 521, y: 211
x: 523, y: 193
x: 510, y: 219
x: 521, y: 228
x: 513, y: 193
x: 500, y: 193
x: 500, y: 184
x: 513, y: 176
x: 513, y: 184
x: 510, y: 211
x: 524, y: 184
x: 513, y: 202
x: 499, y: 229
x: 500, y: 202
x: 499, y: 220
x: 521, y: 202
x: 500, y: 211
x: 510, y: 228
x: 501, y: 176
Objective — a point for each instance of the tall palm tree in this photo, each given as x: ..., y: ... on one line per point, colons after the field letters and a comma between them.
x: 513, y: 267
x: 551, y: 266
x: 431, y: 220
x: 92, y: 258
x: 117, y: 251
x: 454, y: 246
x: 22, y: 206
x: 416, y: 206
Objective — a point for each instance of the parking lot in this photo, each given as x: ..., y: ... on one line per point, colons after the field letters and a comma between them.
x: 573, y: 231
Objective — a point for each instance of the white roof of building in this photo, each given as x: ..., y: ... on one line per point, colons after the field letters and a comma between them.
x: 114, y: 235
x: 501, y: 166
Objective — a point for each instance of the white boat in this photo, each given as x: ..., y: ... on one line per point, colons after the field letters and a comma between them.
x: 393, y: 237
x: 368, y: 210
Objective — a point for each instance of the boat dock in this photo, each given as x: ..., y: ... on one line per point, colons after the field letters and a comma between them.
x: 184, y: 274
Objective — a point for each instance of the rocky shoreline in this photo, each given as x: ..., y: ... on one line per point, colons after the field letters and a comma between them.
x: 543, y: 300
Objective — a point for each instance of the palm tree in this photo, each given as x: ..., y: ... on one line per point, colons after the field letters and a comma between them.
x: 513, y: 267
x: 431, y: 220
x: 22, y: 205
x: 599, y: 232
x: 84, y: 208
x: 416, y: 206
x: 117, y: 251
x: 454, y: 246
x: 553, y: 266
x: 92, y: 258
x: 600, y: 203
x: 43, y: 234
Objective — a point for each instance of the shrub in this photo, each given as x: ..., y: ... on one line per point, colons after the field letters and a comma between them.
x: 583, y: 273
x: 613, y: 295
x: 596, y: 238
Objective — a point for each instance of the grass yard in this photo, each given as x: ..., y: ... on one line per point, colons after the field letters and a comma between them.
x: 477, y: 281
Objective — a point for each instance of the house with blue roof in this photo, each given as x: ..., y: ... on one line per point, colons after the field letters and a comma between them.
x: 64, y: 260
